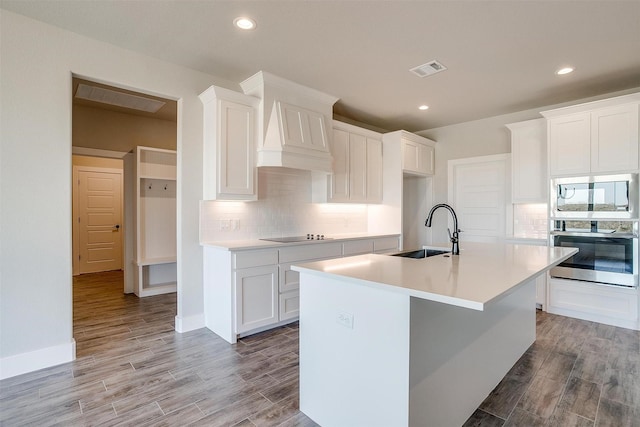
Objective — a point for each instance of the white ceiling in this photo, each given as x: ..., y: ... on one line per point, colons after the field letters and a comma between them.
x: 501, y: 55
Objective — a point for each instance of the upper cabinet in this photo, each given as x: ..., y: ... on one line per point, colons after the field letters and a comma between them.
x: 357, y: 165
x: 528, y: 161
x: 293, y: 123
x: 229, y: 145
x: 418, y: 153
x: 592, y: 138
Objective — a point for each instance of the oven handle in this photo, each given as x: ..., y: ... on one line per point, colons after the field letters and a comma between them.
x: 588, y: 234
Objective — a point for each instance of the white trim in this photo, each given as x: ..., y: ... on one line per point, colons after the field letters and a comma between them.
x: 38, y: 359
x: 190, y: 323
x: 96, y: 152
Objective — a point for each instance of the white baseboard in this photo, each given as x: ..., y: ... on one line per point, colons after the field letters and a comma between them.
x: 190, y: 323
x: 38, y: 359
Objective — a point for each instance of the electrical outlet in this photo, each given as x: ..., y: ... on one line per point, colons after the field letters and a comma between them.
x: 225, y: 225
x: 345, y: 319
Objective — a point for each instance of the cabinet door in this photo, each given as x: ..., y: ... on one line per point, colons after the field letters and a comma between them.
x: 256, y: 293
x: 426, y: 159
x: 340, y: 175
x: 614, y: 139
x: 410, y: 156
x: 374, y: 170
x: 528, y: 162
x: 237, y: 147
x: 357, y: 168
x: 569, y: 145
x: 417, y: 158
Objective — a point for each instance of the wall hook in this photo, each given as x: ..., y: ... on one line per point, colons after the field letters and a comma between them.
x: 150, y: 185
x: 165, y: 186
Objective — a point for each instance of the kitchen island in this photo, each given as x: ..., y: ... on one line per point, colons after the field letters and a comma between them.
x: 392, y: 341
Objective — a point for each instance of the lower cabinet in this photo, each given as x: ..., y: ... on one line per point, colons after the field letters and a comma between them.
x: 248, y: 291
x: 256, y: 294
x: 611, y: 305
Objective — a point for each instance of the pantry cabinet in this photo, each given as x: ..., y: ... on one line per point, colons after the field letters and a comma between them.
x: 593, y: 138
x: 528, y: 161
x: 229, y: 145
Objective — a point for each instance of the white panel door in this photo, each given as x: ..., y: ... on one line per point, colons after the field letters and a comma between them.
x: 340, y: 175
x: 99, y: 221
x: 357, y: 168
x: 478, y: 189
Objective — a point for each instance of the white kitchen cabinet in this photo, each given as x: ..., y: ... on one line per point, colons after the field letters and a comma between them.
x: 596, y: 137
x: 529, y: 161
x: 289, y: 280
x: 155, y: 222
x: 418, y: 157
x: 611, y: 305
x: 614, y: 139
x: 357, y: 165
x: 383, y: 245
x: 289, y: 305
x: 256, y: 296
x: 569, y: 145
x: 229, y: 145
x: 252, y: 290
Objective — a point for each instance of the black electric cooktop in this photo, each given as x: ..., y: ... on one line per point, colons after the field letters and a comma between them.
x: 293, y: 239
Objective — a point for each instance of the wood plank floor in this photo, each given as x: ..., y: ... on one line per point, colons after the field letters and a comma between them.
x: 134, y: 369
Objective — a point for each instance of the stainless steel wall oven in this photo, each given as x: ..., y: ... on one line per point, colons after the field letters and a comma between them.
x: 608, y: 251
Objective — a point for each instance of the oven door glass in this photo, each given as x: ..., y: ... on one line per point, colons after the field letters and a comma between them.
x: 608, y: 260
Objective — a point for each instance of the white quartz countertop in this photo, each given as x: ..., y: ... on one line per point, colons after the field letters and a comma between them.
x: 482, y: 273
x: 238, y: 245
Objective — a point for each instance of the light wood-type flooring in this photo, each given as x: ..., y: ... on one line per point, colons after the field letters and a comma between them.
x: 132, y: 368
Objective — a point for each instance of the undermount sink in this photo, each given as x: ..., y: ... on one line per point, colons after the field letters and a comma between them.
x: 421, y: 253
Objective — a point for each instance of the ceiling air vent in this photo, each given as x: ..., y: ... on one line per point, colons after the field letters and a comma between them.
x: 120, y: 99
x: 428, y: 69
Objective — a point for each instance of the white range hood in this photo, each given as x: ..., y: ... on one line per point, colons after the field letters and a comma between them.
x: 293, y: 123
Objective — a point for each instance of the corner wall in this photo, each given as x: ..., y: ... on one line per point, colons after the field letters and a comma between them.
x: 35, y: 181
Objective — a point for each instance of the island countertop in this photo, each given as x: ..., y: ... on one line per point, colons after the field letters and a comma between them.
x: 482, y: 273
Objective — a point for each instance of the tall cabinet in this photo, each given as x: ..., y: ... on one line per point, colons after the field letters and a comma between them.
x: 155, y: 222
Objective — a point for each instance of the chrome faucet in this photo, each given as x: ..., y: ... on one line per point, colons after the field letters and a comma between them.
x: 455, y: 249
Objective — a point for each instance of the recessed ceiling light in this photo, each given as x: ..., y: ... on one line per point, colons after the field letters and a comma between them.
x: 564, y: 70
x: 244, y: 23
x: 423, y: 107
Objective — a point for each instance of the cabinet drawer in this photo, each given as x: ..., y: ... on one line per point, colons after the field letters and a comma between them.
x: 246, y: 259
x: 311, y: 251
x: 357, y: 247
x: 289, y: 305
x: 599, y: 302
x: 385, y: 244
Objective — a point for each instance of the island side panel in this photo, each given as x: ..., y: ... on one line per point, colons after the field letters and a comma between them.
x: 359, y: 375
x: 459, y: 355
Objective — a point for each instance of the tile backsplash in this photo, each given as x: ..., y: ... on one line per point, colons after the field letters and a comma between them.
x: 530, y: 220
x: 283, y: 208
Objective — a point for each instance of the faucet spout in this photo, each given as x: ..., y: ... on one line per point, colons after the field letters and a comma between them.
x: 455, y: 248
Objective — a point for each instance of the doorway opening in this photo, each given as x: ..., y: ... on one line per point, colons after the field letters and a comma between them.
x: 109, y: 123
